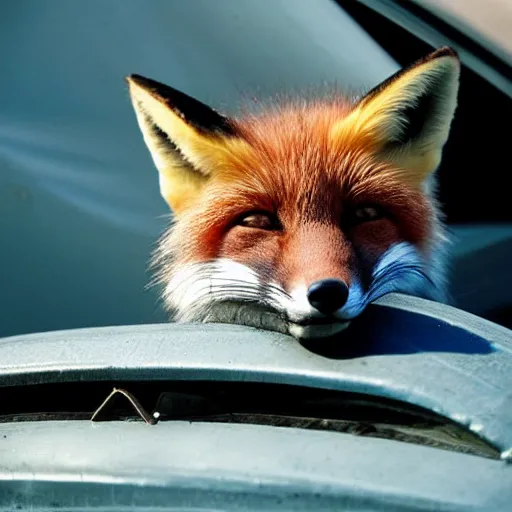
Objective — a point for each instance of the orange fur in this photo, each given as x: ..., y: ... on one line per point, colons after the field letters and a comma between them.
x: 289, y: 164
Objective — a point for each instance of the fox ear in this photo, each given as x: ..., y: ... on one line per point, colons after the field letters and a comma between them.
x: 408, y: 116
x: 184, y: 136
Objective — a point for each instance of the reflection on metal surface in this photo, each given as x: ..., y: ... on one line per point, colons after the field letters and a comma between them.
x: 100, y: 412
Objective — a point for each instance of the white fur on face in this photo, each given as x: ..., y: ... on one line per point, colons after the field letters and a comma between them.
x: 195, y: 286
x: 226, y: 291
x: 316, y: 331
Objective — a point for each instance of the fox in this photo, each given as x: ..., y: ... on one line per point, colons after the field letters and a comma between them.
x: 296, y: 217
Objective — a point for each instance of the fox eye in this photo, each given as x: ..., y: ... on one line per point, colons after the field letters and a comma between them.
x: 367, y: 213
x: 259, y: 220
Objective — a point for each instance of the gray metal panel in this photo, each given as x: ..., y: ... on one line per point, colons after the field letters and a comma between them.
x: 413, y: 350
x: 178, y: 465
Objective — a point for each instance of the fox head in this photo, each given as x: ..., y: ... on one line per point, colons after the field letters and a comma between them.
x: 296, y: 218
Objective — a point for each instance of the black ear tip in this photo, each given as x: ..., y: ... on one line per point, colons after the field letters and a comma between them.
x: 444, y: 51
x: 142, y: 81
x: 192, y: 111
x: 135, y: 79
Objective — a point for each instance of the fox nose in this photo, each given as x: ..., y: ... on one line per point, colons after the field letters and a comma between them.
x: 328, y: 295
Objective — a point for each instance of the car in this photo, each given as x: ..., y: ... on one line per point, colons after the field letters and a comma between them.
x: 106, y: 405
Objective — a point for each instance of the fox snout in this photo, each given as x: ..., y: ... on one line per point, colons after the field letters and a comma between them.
x: 327, y: 295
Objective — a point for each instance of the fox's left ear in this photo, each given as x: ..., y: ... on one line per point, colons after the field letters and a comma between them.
x: 408, y: 116
x: 186, y: 138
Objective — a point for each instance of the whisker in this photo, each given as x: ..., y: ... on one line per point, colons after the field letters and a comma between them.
x: 262, y: 286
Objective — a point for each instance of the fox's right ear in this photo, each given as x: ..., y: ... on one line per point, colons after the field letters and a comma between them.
x: 407, y: 117
x: 186, y: 138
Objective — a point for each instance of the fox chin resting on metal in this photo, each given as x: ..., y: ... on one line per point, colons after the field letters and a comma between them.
x: 294, y: 219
